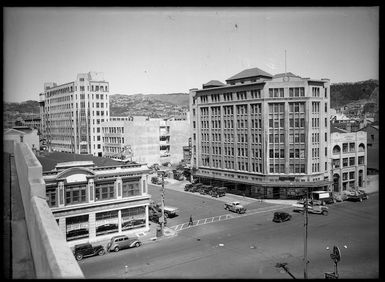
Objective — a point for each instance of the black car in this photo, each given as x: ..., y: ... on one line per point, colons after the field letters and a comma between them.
x: 87, y: 250
x: 281, y: 216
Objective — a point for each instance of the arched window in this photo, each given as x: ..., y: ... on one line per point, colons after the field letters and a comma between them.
x: 336, y: 149
x: 361, y: 148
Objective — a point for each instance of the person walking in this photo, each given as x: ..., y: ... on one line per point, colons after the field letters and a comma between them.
x: 190, y: 223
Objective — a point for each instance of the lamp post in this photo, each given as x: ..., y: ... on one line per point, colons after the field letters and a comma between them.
x: 284, y: 266
x: 305, y: 242
x: 162, y: 217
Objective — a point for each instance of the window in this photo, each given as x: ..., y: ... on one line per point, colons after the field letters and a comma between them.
x: 345, y: 162
x: 352, y: 161
x: 51, y: 198
x: 75, y: 194
x: 104, y: 191
x: 351, y: 175
x: 130, y: 189
x: 361, y: 160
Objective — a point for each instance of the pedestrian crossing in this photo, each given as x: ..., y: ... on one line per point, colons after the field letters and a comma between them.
x: 208, y: 220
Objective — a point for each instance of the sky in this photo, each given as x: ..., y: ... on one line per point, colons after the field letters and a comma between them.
x: 171, y: 50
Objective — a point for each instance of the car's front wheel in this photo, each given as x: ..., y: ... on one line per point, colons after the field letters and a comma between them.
x: 116, y: 249
x: 360, y: 199
x: 324, y: 212
x: 101, y: 252
x: 137, y: 244
x: 79, y: 257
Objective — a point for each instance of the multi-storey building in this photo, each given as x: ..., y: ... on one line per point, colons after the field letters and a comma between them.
x: 262, y: 135
x: 71, y: 114
x: 91, y: 203
x: 148, y: 140
x: 349, y: 161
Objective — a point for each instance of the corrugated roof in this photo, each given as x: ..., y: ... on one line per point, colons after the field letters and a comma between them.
x: 249, y: 73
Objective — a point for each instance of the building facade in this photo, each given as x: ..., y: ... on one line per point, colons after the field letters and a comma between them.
x: 262, y: 135
x: 33, y: 123
x: 349, y: 160
x: 146, y: 140
x: 92, y: 203
x: 71, y: 114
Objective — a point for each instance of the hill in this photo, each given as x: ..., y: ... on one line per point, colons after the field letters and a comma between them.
x: 342, y: 94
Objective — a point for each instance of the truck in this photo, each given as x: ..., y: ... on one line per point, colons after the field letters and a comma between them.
x: 235, y: 207
x: 168, y: 211
x: 217, y: 192
x: 314, y: 208
x: 323, y: 197
x: 205, y: 189
x: 196, y: 187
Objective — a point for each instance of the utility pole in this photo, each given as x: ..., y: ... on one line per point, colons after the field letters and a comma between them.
x: 305, y: 243
x: 162, y: 218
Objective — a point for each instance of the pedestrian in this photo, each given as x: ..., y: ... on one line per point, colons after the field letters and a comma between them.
x: 191, y: 221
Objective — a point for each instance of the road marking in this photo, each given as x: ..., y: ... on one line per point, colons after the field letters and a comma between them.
x: 223, y: 217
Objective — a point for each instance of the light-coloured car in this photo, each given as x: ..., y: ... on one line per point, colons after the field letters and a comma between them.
x: 120, y: 242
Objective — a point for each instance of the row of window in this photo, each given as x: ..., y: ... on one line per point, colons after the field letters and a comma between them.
x: 76, y: 194
x: 273, y: 93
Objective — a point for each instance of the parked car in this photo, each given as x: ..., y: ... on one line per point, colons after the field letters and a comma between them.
x: 87, y: 250
x: 156, y: 180
x: 218, y: 192
x: 317, y: 209
x: 205, y: 189
x: 196, y: 187
x: 281, y: 216
x: 188, y: 186
x: 121, y: 242
x: 356, y: 195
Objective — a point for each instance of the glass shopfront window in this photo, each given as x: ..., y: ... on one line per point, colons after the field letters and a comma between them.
x: 77, y: 227
x: 106, y: 222
x: 133, y: 218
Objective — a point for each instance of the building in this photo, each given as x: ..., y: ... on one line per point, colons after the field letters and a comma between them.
x: 373, y: 147
x: 71, y: 114
x: 348, y: 153
x: 262, y: 135
x: 33, y: 123
x: 92, y: 203
x: 145, y: 140
x: 23, y: 134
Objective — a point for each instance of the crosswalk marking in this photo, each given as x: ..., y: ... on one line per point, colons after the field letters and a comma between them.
x: 218, y: 218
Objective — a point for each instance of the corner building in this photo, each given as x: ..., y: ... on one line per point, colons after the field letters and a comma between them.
x: 261, y: 135
x: 92, y: 203
x: 71, y: 114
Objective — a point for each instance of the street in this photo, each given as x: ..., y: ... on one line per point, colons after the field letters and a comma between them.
x: 250, y: 246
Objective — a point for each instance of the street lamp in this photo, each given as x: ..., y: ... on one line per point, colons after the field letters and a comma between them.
x: 305, y: 242
x: 162, y: 217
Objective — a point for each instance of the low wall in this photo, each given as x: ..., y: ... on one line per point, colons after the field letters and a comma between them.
x: 51, y: 254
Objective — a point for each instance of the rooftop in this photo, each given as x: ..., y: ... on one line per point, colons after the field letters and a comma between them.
x: 250, y: 73
x: 49, y: 160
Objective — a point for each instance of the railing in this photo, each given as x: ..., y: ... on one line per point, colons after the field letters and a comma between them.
x: 51, y: 254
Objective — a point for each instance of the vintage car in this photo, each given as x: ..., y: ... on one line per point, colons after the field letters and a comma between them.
x: 281, y: 216
x: 87, y: 250
x: 235, y: 207
x: 121, y: 242
x: 356, y: 195
x: 312, y: 208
